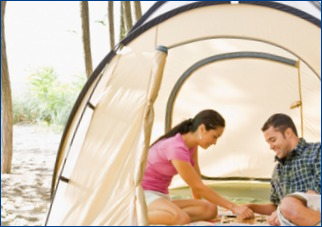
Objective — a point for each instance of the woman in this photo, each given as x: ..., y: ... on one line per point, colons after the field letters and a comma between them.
x: 176, y: 152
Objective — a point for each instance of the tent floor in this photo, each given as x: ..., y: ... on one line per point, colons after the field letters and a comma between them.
x: 227, y: 219
x: 240, y: 192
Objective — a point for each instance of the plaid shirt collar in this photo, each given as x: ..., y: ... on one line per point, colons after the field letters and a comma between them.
x: 300, y: 147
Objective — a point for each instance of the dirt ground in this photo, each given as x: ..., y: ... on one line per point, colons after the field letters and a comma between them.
x: 25, y: 192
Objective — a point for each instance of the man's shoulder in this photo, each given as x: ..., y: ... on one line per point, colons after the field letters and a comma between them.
x: 315, y: 147
x: 313, y: 150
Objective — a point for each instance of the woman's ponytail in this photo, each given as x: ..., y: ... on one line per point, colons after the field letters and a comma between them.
x: 182, y: 128
x: 210, y: 118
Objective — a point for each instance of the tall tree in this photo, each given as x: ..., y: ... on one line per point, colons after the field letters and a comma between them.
x: 137, y: 10
x: 110, y: 10
x: 127, y: 15
x: 86, y: 37
x: 122, y: 21
x: 6, y: 99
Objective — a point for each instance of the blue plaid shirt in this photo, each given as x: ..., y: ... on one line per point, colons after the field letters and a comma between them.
x: 298, y: 172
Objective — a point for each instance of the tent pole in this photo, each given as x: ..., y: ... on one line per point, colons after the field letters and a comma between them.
x: 156, y: 78
x: 300, y: 95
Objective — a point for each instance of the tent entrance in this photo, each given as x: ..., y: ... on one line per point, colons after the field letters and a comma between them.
x: 246, y: 87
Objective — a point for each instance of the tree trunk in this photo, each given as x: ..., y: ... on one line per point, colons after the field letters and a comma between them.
x: 137, y: 10
x: 128, y: 15
x: 86, y: 38
x: 6, y: 100
x: 122, y: 21
x: 110, y: 10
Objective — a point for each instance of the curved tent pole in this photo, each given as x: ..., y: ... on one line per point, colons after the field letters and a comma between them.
x: 142, y: 27
x: 212, y: 59
x: 158, y: 4
x: 153, y: 8
x: 287, y: 9
x: 317, y: 4
x: 246, y: 38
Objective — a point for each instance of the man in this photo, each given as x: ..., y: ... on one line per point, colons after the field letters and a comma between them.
x: 298, y: 170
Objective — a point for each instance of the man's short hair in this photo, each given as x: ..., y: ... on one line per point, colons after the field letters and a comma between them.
x: 281, y: 122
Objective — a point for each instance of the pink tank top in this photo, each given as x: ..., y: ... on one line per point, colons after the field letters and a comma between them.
x: 159, y: 169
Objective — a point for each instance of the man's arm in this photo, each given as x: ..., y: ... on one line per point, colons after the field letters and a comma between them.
x: 269, y: 208
x: 317, y: 171
x: 266, y: 209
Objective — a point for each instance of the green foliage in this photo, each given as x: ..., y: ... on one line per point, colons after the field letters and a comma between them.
x: 48, y: 99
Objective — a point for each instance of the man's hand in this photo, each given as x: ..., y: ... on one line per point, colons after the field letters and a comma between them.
x: 312, y: 192
x: 266, y: 209
x: 273, y: 219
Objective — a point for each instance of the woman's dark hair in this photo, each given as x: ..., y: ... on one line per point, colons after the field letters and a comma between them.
x: 281, y: 122
x: 210, y: 118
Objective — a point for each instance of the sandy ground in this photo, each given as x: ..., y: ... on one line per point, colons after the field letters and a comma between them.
x: 25, y: 192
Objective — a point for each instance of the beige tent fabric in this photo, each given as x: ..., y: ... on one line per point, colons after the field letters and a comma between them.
x: 259, y: 23
x: 64, y: 146
x: 116, y: 138
x: 246, y: 92
x: 104, y: 151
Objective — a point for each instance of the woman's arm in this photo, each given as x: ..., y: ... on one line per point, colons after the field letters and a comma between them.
x: 193, y: 179
x: 195, y: 194
x: 196, y: 161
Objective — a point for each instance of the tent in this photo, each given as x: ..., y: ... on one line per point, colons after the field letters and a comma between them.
x: 246, y: 59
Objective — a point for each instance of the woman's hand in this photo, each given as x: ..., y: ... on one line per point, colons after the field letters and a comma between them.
x: 242, y: 212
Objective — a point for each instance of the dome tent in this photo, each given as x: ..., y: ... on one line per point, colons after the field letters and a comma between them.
x: 246, y: 60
